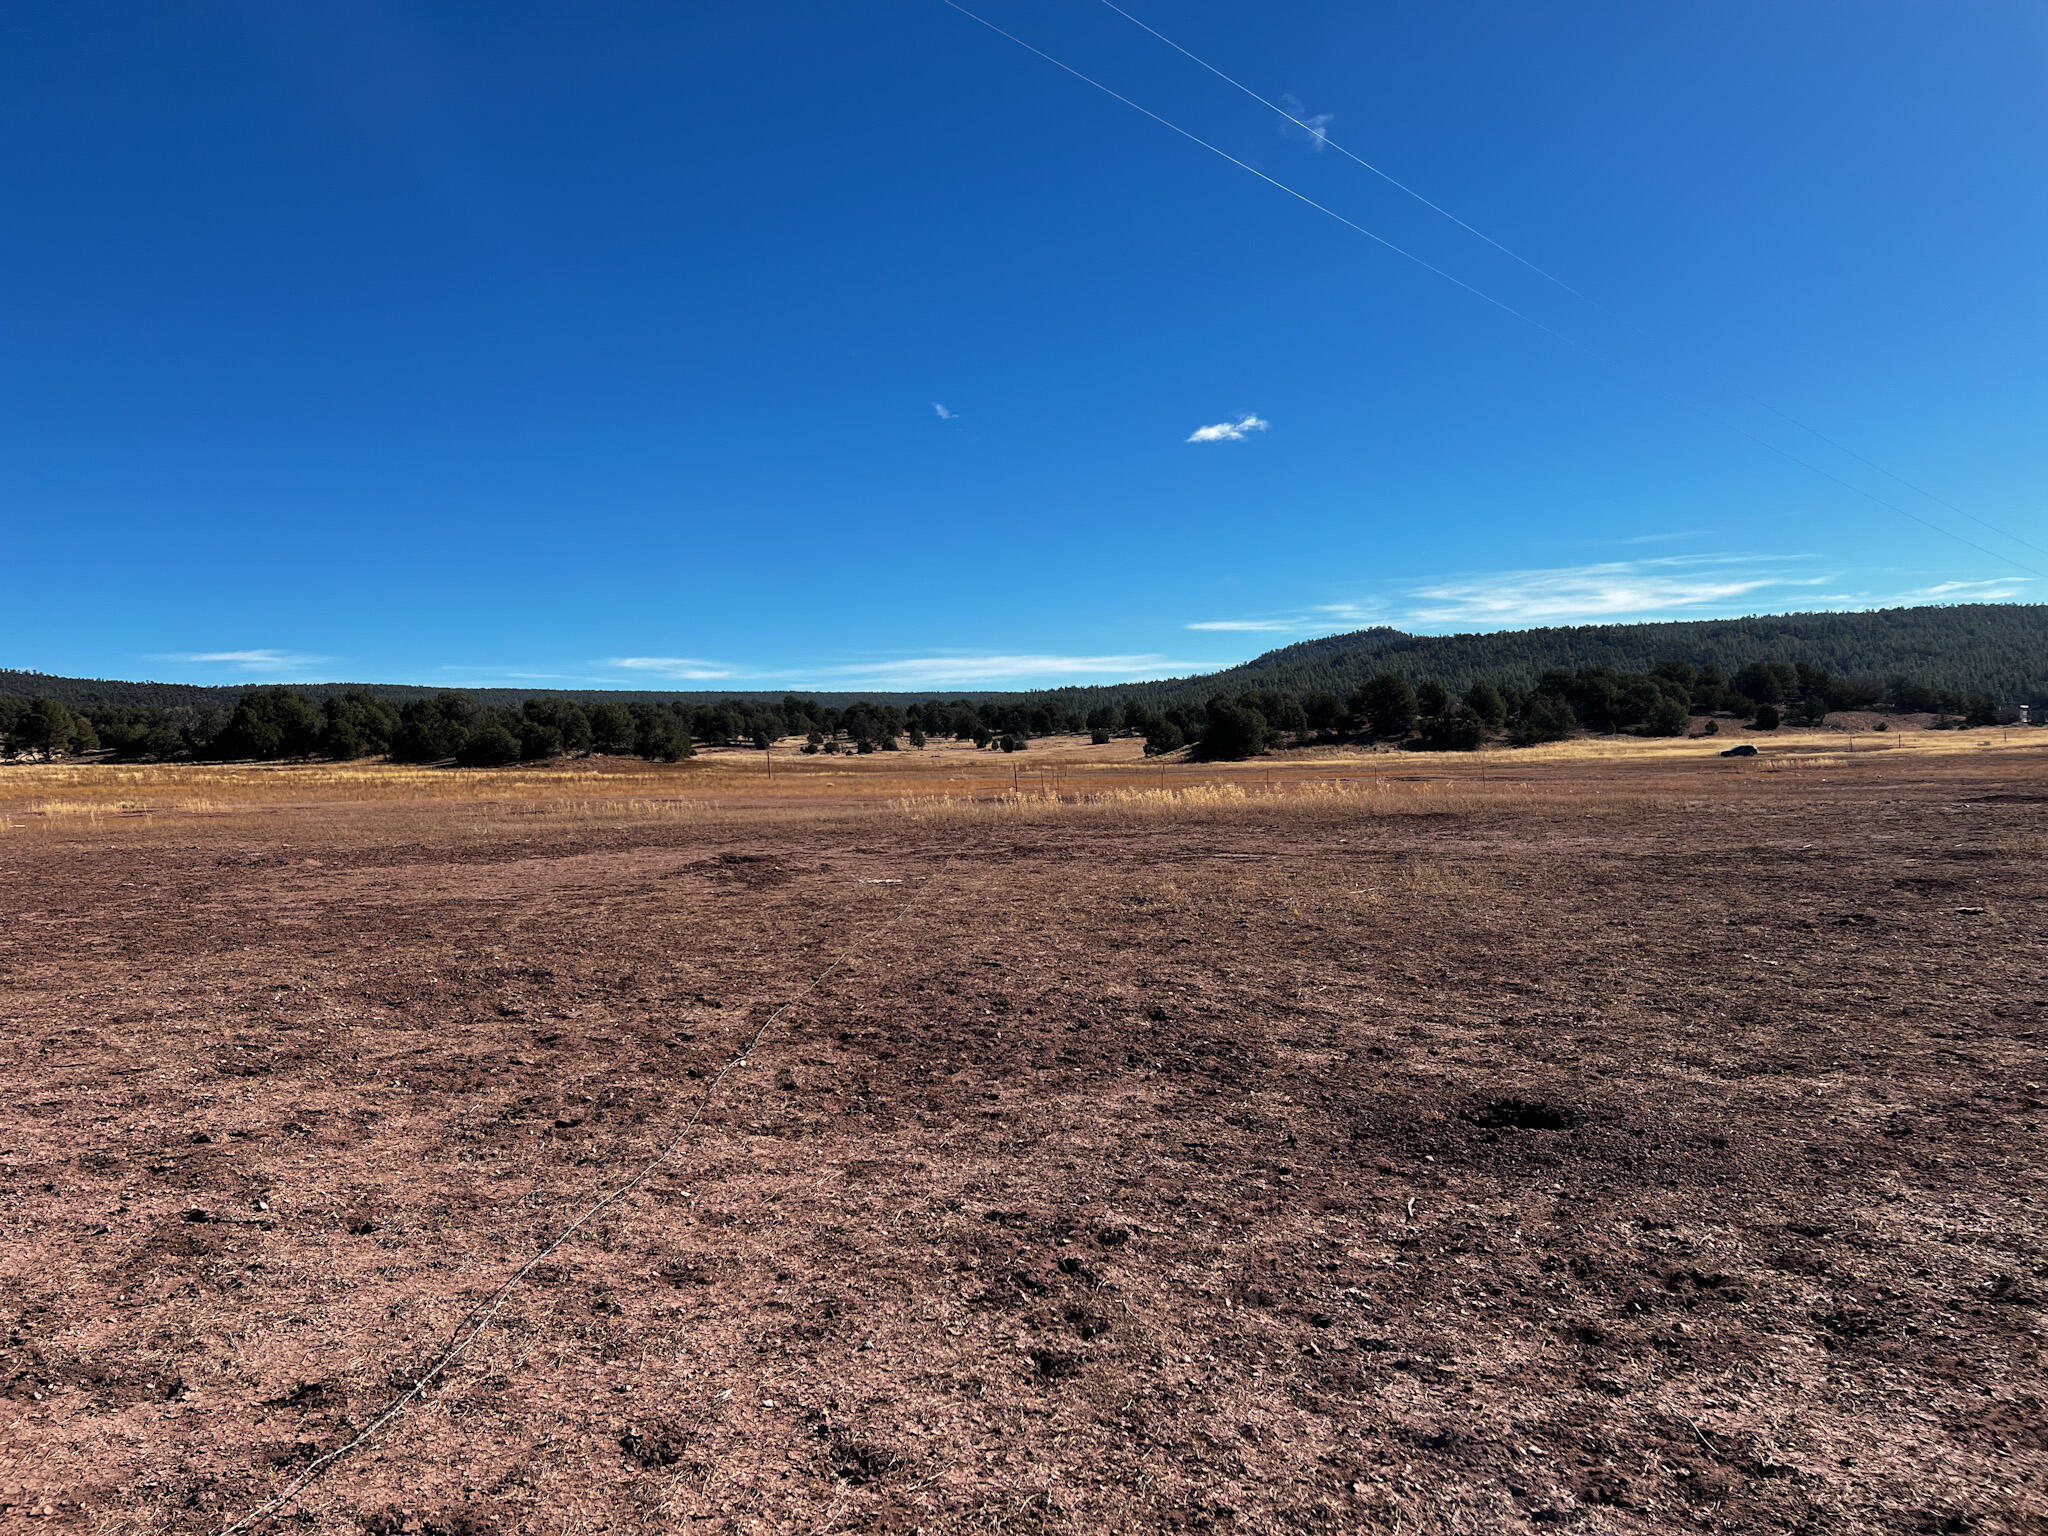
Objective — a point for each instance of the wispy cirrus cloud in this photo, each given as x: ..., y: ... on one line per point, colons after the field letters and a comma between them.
x: 259, y: 660
x: 1610, y: 589
x: 946, y: 669
x: 1322, y: 619
x: 688, y: 669
x: 967, y: 669
x: 1671, y: 586
x: 1229, y: 431
x: 2001, y: 590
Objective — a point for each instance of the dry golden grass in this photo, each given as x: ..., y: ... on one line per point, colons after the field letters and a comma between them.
x: 1223, y: 800
x: 1067, y: 780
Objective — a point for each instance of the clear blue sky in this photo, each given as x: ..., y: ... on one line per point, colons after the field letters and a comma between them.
x: 607, y: 344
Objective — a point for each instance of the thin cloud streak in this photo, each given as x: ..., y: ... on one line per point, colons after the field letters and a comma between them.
x: 1611, y: 589
x: 943, y: 413
x: 1671, y: 586
x: 682, y: 668
x: 259, y: 660
x: 904, y: 674
x: 971, y: 670
x: 1997, y: 591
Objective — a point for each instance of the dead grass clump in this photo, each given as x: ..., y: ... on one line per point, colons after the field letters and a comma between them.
x: 1224, y: 801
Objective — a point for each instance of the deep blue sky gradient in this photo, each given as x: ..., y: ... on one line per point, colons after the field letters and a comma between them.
x: 435, y: 342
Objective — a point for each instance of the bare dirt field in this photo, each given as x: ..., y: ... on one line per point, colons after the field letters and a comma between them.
x: 1613, y: 1139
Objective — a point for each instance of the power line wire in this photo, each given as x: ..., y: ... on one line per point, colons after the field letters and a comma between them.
x: 1224, y: 154
x: 1505, y: 308
x: 1322, y: 136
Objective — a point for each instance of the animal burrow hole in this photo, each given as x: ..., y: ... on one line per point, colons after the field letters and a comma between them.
x: 1522, y: 1115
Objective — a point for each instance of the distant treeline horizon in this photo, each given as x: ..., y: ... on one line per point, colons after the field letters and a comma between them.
x: 1996, y: 650
x: 276, y: 723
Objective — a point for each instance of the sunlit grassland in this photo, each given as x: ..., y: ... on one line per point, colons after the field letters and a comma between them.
x: 1064, y: 778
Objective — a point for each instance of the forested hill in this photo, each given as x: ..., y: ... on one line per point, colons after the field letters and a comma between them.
x: 1997, y: 649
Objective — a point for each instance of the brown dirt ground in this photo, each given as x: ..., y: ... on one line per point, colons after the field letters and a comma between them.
x: 1622, y: 1146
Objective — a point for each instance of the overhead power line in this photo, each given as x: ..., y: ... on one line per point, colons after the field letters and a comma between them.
x: 1224, y: 154
x: 1322, y: 136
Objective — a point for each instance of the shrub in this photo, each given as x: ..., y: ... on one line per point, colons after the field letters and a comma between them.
x: 1667, y: 717
x: 1235, y: 731
x: 1767, y: 718
x: 488, y: 747
x: 270, y: 723
x: 1485, y: 701
x: 1457, y: 731
x: 611, y: 729
x: 357, y: 724
x: 432, y: 729
x: 1548, y: 718
x: 1161, y: 737
x: 1386, y: 705
x: 537, y: 740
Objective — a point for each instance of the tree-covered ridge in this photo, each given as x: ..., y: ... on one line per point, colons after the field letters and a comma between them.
x: 1999, y: 650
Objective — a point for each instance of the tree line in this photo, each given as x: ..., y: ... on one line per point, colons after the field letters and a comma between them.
x: 1664, y: 701
x: 270, y: 724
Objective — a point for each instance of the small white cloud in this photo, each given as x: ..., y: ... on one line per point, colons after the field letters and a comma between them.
x: 943, y: 413
x: 1314, y: 127
x: 252, y: 661
x: 1228, y: 431
x: 1251, y: 626
x: 686, y: 668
